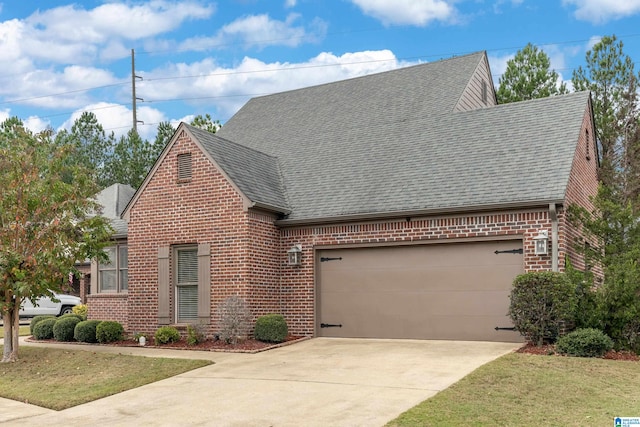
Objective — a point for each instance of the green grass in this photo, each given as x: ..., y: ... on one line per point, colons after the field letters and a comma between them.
x: 59, y: 379
x: 24, y: 331
x: 526, y: 390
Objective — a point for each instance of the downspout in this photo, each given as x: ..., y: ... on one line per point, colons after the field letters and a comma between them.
x: 553, y: 214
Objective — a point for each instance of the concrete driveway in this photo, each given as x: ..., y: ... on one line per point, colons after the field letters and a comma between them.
x: 319, y: 382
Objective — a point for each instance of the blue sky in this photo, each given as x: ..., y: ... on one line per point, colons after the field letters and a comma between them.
x: 61, y: 58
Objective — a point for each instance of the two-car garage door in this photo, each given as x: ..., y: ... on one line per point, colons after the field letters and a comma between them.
x: 453, y: 291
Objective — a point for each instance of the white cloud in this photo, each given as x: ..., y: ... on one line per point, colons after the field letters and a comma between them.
x: 229, y: 88
x: 68, y: 84
x: 601, y: 11
x: 260, y: 31
x: 408, y: 12
x: 290, y: 3
x: 74, y: 35
x: 36, y: 124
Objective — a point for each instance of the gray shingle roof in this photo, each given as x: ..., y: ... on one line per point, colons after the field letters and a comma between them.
x: 256, y: 174
x: 114, y: 200
x: 390, y: 142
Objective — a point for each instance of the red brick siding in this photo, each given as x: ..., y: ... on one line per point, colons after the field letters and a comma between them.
x: 208, y: 209
x: 266, y: 262
x: 109, y: 307
x: 582, y: 184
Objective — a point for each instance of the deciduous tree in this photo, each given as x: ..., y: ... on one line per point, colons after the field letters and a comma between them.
x: 48, y: 221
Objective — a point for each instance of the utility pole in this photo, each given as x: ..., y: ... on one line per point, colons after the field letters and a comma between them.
x: 133, y: 91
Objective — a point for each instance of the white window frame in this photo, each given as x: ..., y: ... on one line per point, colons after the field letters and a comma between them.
x: 118, y: 267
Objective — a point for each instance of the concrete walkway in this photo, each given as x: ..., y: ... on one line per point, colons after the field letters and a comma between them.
x: 319, y: 382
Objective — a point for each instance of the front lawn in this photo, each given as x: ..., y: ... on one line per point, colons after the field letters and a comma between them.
x: 59, y: 379
x: 526, y: 390
x: 24, y: 331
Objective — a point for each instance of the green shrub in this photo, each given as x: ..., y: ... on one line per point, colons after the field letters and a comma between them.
x: 64, y: 327
x: 542, y: 303
x: 38, y: 319
x: 271, y: 328
x: 166, y: 334
x: 195, y: 334
x: 81, y: 310
x: 44, y: 328
x: 586, y: 342
x: 109, y: 331
x: 85, y: 331
x: 76, y: 316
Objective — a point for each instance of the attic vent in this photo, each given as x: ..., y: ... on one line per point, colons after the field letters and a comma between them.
x: 184, y: 167
x: 588, y: 143
x: 484, y: 92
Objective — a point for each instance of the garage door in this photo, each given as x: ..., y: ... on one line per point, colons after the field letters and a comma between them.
x: 452, y: 291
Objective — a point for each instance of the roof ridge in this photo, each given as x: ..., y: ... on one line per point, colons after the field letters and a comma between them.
x: 375, y: 73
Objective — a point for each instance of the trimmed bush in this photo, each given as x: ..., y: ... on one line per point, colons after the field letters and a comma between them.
x: 85, y: 331
x: 38, y: 319
x: 77, y: 316
x: 166, y: 334
x: 588, y: 342
x: 64, y: 327
x: 44, y: 329
x: 542, y: 302
x: 81, y: 310
x: 109, y: 331
x: 271, y: 328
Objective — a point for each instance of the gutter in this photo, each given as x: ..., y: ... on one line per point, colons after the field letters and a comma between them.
x: 553, y: 214
x: 417, y: 213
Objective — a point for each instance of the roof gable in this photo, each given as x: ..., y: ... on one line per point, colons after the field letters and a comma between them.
x: 255, y: 175
x: 114, y: 200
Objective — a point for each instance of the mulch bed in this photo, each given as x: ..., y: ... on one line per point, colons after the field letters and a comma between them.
x: 549, y: 350
x: 242, y: 346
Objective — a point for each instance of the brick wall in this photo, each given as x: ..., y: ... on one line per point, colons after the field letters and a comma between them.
x: 582, y: 184
x: 206, y: 209
x: 109, y: 307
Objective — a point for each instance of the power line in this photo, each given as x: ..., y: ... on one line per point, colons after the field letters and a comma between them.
x: 291, y: 68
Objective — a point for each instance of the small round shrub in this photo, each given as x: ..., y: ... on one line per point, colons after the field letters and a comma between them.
x: 85, y: 331
x: 166, y: 334
x: 81, y: 310
x: 109, y: 331
x: 44, y: 329
x: 76, y: 316
x: 38, y: 319
x: 64, y: 327
x: 271, y: 328
x: 588, y: 342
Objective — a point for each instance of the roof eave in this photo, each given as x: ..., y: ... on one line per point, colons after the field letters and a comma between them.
x: 271, y: 208
x: 418, y: 213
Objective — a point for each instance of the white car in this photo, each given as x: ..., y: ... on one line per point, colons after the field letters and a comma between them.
x: 45, y: 305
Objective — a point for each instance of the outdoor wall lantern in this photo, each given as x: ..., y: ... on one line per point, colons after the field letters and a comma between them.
x: 294, y: 255
x: 541, y: 241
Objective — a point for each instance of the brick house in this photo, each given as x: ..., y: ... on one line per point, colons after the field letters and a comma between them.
x: 395, y: 205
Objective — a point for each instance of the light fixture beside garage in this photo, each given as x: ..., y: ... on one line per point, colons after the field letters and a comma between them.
x: 294, y: 255
x: 541, y: 241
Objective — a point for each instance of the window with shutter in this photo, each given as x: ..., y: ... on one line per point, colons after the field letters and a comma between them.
x: 184, y: 167
x: 187, y: 284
